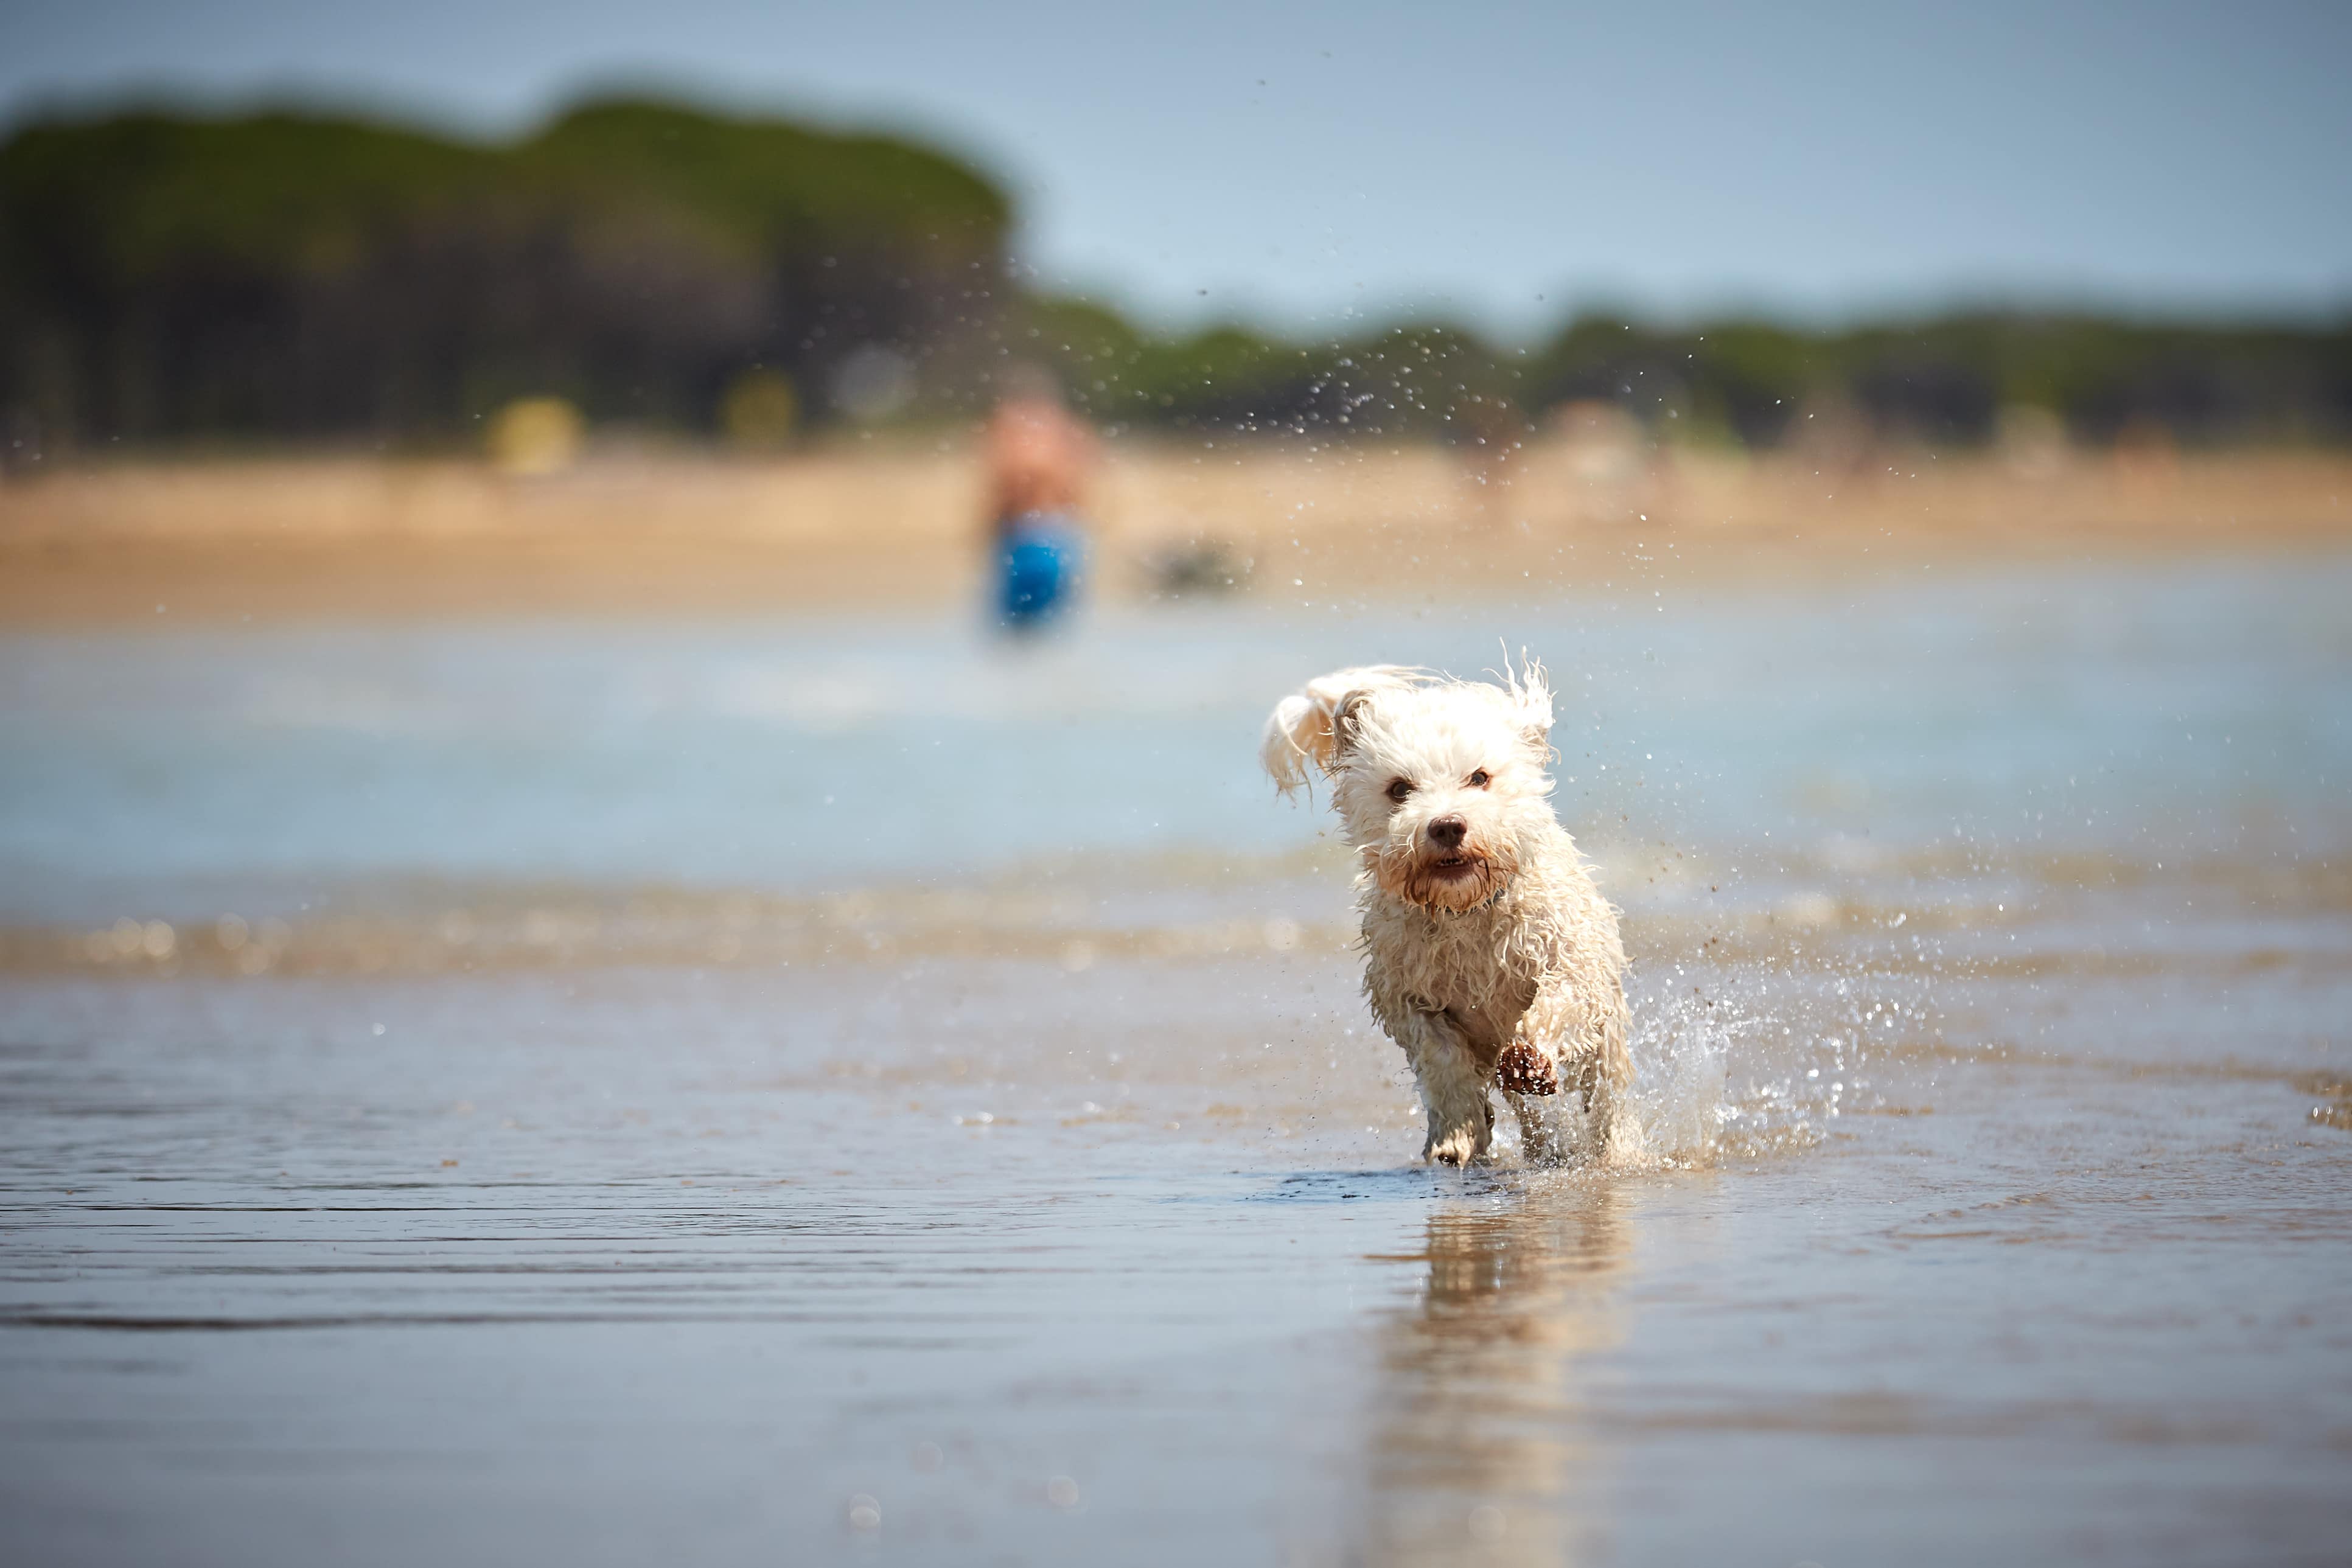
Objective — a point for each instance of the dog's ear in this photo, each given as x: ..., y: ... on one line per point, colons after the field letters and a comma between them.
x: 1296, y: 733
x: 1347, y: 722
x: 1320, y: 723
x: 1531, y: 690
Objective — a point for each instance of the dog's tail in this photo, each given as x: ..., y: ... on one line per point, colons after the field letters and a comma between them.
x: 1301, y: 728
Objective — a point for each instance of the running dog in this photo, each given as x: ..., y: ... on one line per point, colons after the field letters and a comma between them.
x: 1490, y: 957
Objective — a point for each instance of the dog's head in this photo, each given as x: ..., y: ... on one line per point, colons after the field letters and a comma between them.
x: 1441, y: 784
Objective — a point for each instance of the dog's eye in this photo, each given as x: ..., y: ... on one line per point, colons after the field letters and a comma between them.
x: 1480, y: 780
x: 1400, y: 789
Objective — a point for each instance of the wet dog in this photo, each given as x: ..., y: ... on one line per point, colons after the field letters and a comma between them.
x: 1490, y: 957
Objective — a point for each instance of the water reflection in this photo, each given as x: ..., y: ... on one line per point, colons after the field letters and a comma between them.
x: 1475, y: 1445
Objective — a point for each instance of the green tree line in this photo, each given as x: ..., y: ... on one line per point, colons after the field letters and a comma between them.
x: 298, y: 276
x: 274, y: 277
x: 1948, y: 380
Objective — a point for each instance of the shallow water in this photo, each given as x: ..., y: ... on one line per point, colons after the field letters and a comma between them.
x: 780, y: 1093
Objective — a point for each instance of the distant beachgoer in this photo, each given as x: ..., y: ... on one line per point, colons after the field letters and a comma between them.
x: 1039, y: 458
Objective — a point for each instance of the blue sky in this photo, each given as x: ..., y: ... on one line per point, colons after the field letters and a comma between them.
x: 1303, y: 163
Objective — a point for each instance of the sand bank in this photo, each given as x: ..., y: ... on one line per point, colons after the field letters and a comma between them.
x: 686, y: 532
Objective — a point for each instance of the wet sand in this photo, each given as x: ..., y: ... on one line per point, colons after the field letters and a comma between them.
x: 818, y: 1089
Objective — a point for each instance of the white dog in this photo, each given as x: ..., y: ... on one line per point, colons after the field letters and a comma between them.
x: 1491, y: 957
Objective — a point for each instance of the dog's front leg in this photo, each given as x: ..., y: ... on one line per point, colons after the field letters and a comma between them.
x: 1610, y: 1122
x: 1453, y: 1088
x: 1584, y: 1048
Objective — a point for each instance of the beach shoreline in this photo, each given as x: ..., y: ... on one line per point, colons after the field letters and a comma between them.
x: 686, y: 533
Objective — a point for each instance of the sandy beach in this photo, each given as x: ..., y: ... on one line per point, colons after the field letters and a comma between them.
x: 680, y: 532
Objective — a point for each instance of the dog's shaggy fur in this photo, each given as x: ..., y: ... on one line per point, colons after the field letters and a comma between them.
x: 1491, y: 957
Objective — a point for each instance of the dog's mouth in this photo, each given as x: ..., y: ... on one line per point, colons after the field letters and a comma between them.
x: 1440, y: 877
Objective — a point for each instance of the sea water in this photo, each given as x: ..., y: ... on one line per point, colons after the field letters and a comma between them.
x: 825, y: 1089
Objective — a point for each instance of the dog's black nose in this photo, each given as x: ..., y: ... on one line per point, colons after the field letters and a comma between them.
x: 1447, y: 832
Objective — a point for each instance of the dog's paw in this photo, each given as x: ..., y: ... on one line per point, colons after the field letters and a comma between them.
x: 1461, y: 1143
x: 1456, y: 1148
x: 1623, y: 1144
x: 1524, y: 1069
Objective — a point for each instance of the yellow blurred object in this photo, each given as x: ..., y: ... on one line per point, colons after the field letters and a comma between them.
x: 2031, y: 439
x: 760, y: 412
x: 536, y: 435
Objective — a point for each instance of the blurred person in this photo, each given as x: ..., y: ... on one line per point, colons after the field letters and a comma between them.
x: 1039, y: 458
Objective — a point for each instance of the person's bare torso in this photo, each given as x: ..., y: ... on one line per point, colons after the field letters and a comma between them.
x: 1038, y: 456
